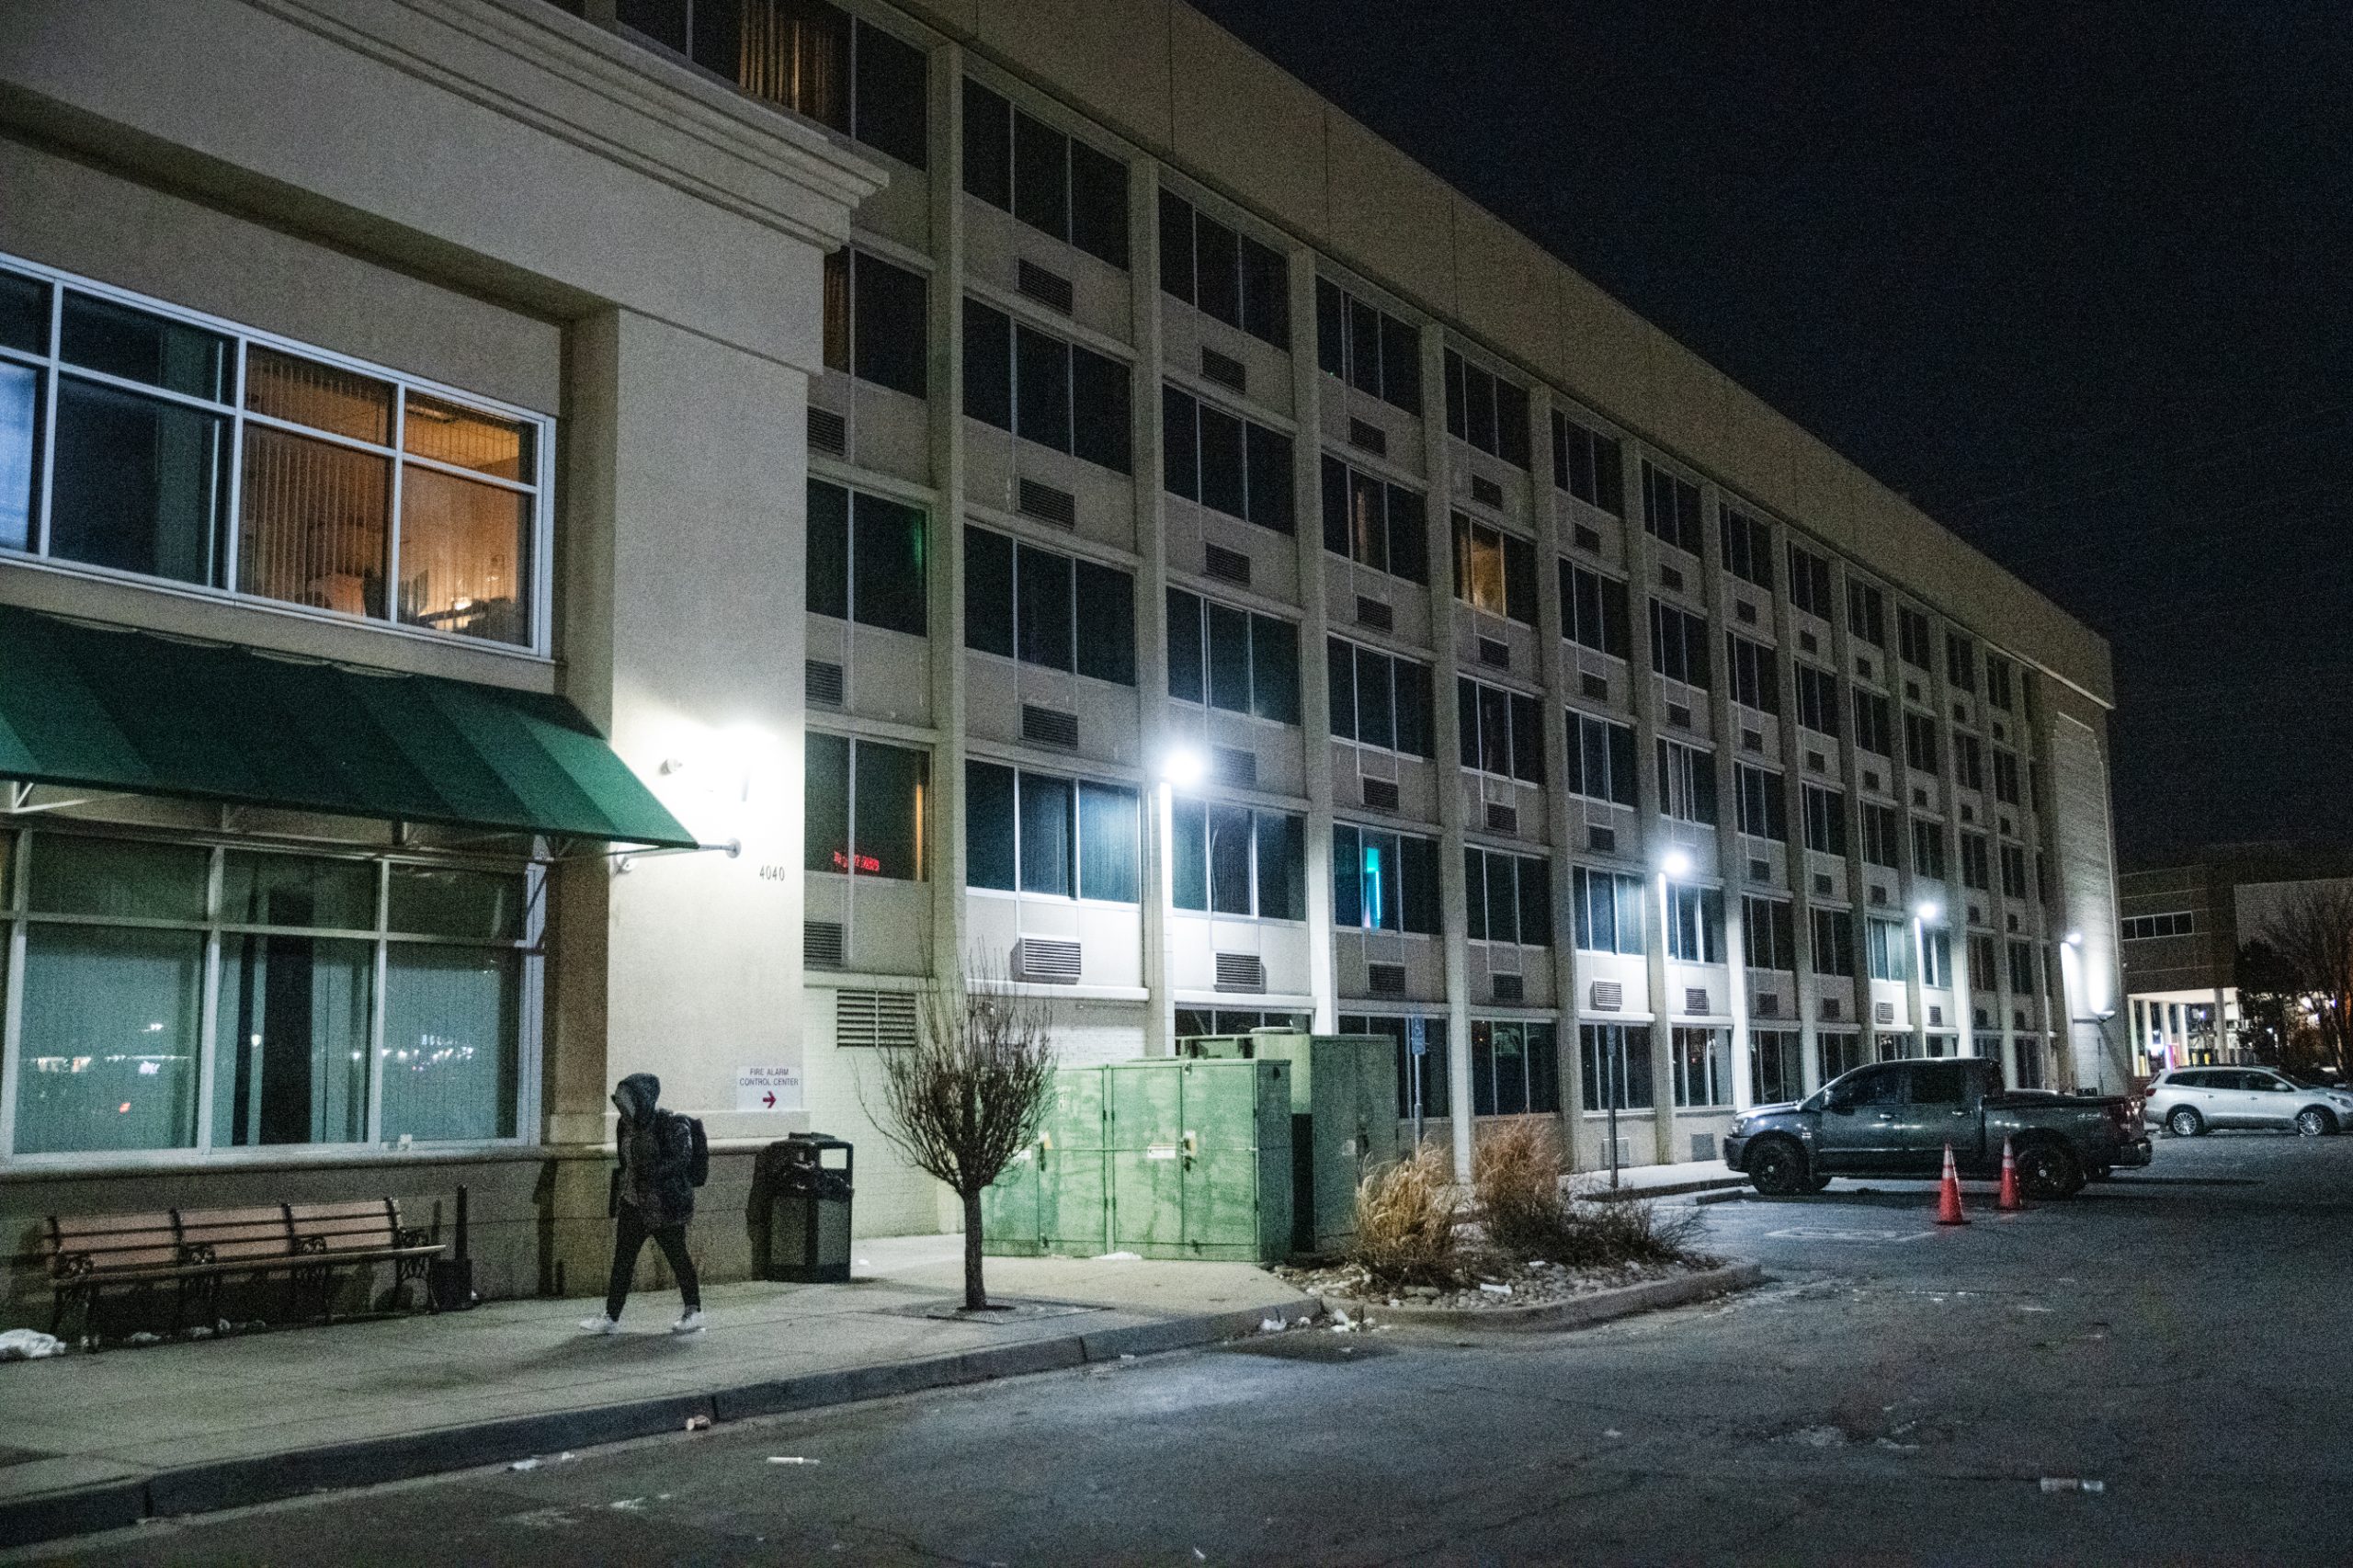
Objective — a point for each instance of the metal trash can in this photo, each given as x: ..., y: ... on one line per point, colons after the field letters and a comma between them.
x: 808, y: 1209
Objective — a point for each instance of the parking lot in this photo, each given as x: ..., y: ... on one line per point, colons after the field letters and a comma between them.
x: 1898, y: 1393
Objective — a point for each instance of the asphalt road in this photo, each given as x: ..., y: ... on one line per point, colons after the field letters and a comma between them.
x: 1898, y: 1394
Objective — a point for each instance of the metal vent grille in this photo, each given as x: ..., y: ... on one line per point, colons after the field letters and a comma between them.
x: 1241, y: 971
x: 1983, y: 1019
x: 1935, y: 1016
x: 1381, y: 794
x: 1502, y: 818
x: 1049, y: 727
x: 1832, y: 1008
x: 1593, y: 686
x: 823, y: 945
x: 1752, y: 740
x: 1603, y: 840
x: 1494, y: 650
x: 1588, y: 538
x: 2014, y: 925
x: 1808, y: 642
x: 1976, y: 915
x: 874, y: 1020
x: 1670, y: 577
x: 1375, y: 614
x: 1912, y: 689
x: 2017, y: 1019
x: 1046, y: 958
x: 1225, y: 370
x: 1486, y: 492
x: 1227, y: 565
x: 1609, y: 996
x: 1385, y: 979
x: 1883, y: 1012
x: 1508, y: 987
x: 1235, y: 766
x: 1768, y: 1004
x: 1760, y: 871
x: 1368, y: 436
x: 828, y: 432
x: 825, y: 683
x: 1048, y: 505
x: 1822, y: 883
x: 1050, y: 290
x: 1919, y: 796
x: 1879, y: 895
x: 1968, y: 812
x: 1743, y: 610
x: 1703, y: 1145
x: 1695, y: 999
x: 1870, y: 778
x: 1817, y: 762
x: 1863, y: 667
x: 1679, y: 715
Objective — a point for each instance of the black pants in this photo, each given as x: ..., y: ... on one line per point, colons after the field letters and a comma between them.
x: 628, y: 1240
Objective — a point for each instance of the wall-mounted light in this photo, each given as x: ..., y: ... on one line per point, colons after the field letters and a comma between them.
x: 1929, y: 911
x: 1675, y: 863
x: 2073, y: 938
x: 1182, y: 767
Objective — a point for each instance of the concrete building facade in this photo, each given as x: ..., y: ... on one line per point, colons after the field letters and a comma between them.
x: 1014, y: 486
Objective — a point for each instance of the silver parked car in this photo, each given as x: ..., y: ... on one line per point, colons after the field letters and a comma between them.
x: 2187, y: 1101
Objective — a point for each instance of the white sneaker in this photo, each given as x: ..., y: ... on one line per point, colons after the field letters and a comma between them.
x: 600, y: 1324
x: 690, y: 1324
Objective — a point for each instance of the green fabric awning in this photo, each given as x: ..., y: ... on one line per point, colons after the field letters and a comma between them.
x: 102, y: 708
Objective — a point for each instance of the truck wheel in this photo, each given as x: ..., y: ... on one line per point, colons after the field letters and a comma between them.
x: 1817, y: 1183
x: 1776, y: 1167
x: 2313, y: 1122
x: 2049, y: 1170
x: 2185, y: 1122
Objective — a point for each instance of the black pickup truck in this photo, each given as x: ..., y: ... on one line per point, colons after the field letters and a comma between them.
x: 1894, y: 1119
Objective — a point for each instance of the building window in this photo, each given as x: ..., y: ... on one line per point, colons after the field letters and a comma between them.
x: 1874, y: 725
x: 1192, y: 1023
x: 1748, y: 548
x: 1585, y: 464
x: 1602, y: 759
x: 1826, y: 820
x: 1961, y: 662
x: 1231, y: 659
x: 1486, y: 410
x: 1880, y: 844
x: 1777, y: 1063
x: 1379, y: 700
x: 1514, y: 1068
x: 1036, y: 833
x: 1367, y: 347
x: 1810, y: 582
x: 1044, y: 389
x: 1508, y: 898
x: 1501, y: 732
x: 1935, y: 958
x: 1980, y: 961
x: 1223, y: 274
x: 1817, y: 700
x: 2022, y: 980
x: 1495, y: 571
x: 1593, y: 610
x: 1997, y: 681
x: 1056, y: 183
x: 1928, y: 849
x: 1687, y: 783
x: 1702, y: 1066
x: 1234, y: 860
x: 1383, y: 881
x: 1867, y: 612
x: 1671, y: 509
x: 330, y: 1023
x: 1920, y: 741
x: 864, y: 809
x: 1842, y: 1052
x: 1976, y: 864
x: 2006, y: 778
x: 1225, y: 462
x: 1421, y: 1076
x: 1834, y: 944
x: 1764, y: 811
x: 1608, y: 911
x: 1375, y: 524
x: 1768, y: 933
x: 1887, y: 945
x: 1755, y: 677
x: 1023, y: 603
x: 1678, y: 643
x: 866, y: 560
x: 1912, y: 636
x: 2013, y: 871
x: 1969, y: 761
x: 1695, y: 922
x: 1617, y: 1066
x: 878, y: 322
x: 205, y: 455
x: 2148, y: 928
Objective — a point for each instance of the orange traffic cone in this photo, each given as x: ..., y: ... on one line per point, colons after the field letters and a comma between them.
x: 1949, y: 1194
x: 2009, y: 1202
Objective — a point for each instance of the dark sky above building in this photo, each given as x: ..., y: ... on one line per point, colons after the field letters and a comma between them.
x: 2077, y: 278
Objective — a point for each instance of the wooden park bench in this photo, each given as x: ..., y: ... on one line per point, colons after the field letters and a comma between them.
x: 194, y: 1250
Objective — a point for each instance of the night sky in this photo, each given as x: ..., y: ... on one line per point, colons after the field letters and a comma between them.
x: 2077, y: 279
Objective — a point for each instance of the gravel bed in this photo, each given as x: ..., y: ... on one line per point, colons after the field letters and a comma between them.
x: 1494, y: 1284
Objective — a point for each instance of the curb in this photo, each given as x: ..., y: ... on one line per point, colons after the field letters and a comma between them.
x: 1582, y: 1311
x: 1665, y: 1190
x: 267, y: 1478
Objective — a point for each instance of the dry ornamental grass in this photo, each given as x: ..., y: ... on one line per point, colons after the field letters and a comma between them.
x: 1405, y: 1219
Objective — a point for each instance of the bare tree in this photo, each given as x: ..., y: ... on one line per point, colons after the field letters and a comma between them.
x: 969, y: 1094
x: 2313, y: 936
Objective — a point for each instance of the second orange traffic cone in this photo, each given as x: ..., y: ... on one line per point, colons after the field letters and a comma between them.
x: 2009, y: 1202
x: 1949, y: 1194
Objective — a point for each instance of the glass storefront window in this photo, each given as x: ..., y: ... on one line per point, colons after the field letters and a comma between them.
x: 451, y: 1019
x: 432, y: 902
x: 291, y: 1040
x: 107, y: 1050
x: 116, y: 878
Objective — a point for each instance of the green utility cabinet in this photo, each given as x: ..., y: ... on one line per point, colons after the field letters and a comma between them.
x: 1053, y: 1198
x: 1344, y: 1120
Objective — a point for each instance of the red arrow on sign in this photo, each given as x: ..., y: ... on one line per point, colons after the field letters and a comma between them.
x: 769, y: 1099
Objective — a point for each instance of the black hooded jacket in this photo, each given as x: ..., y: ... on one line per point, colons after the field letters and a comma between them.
x: 657, y: 1149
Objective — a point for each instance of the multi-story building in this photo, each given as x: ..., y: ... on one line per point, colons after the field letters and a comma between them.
x: 1023, y: 487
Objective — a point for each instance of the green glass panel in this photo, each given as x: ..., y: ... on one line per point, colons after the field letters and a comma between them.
x: 108, y: 1058
x: 297, y: 889
x: 451, y: 1042
x: 431, y: 901
x: 290, y: 1040
x: 116, y: 876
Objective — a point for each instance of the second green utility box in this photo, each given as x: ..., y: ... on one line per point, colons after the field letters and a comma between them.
x: 1344, y: 1120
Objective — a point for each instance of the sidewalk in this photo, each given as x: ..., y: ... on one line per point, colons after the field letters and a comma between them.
x: 95, y: 1441
x: 1660, y: 1181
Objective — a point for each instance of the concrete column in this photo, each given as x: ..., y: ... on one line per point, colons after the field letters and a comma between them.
x: 1732, y: 854
x: 1446, y: 719
x: 947, y: 444
x: 1314, y: 594
x: 1957, y: 893
x: 1552, y: 671
x: 1641, y: 572
x: 1842, y: 653
x: 1151, y: 600
x: 1793, y: 776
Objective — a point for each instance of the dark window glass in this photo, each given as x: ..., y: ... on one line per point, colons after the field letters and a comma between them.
x: 1042, y: 389
x: 988, y: 146
x: 988, y: 592
x: 1265, y: 294
x: 1274, y: 669
x: 1401, y: 363
x: 1229, y: 658
x: 24, y: 314
x: 1339, y: 674
x: 1185, y: 664
x: 988, y: 365
x: 1047, y: 829
x: 1269, y: 479
x: 1108, y: 843
x: 890, y: 339
x: 1419, y: 858
x: 1100, y: 428
x: 888, y: 835
x: 1099, y: 204
x: 1108, y: 651
x: 20, y: 400
x: 988, y: 826
x: 892, y: 106
x: 1041, y: 175
x: 1230, y: 846
x: 1189, y: 855
x: 887, y: 560
x: 1364, y: 347
x: 826, y: 803
x: 1376, y: 700
x: 1042, y: 580
x: 142, y: 485
x: 1331, y: 326
x: 1415, y: 726
x: 1224, y: 486
x: 1282, y: 888
x: 1176, y: 246
x: 828, y: 549
x: 1216, y: 270
x: 1180, y: 444
x: 1350, y: 905
x: 136, y: 346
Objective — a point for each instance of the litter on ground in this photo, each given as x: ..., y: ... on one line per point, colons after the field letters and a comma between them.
x: 1119, y: 1257
x: 2072, y: 1484
x: 698, y: 1423
x: 28, y: 1345
x: 790, y: 1458
x: 525, y: 1464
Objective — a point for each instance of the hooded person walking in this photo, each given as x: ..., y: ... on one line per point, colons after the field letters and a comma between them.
x: 663, y: 1159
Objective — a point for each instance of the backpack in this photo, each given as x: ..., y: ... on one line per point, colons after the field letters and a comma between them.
x: 698, y: 1162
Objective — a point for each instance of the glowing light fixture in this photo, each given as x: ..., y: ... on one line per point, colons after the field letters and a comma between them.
x: 1675, y: 863
x: 1182, y: 768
